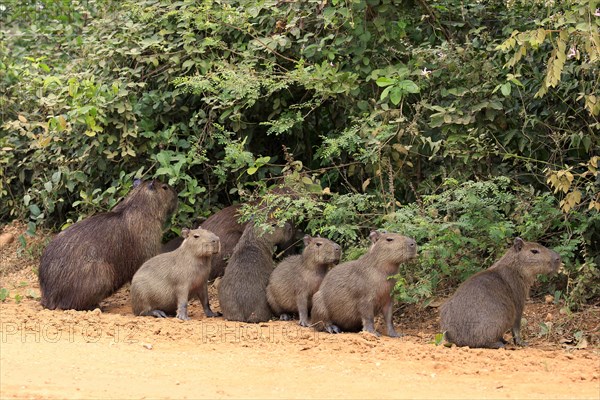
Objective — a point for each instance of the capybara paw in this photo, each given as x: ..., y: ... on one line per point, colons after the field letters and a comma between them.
x: 213, y: 314
x: 333, y: 329
x: 285, y: 317
x: 521, y: 342
x: 395, y: 334
x: 158, y: 314
x: 306, y: 324
x: 183, y: 317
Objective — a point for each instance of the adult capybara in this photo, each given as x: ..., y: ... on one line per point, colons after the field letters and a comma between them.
x: 164, y: 283
x: 92, y: 258
x: 226, y: 226
x: 491, y: 302
x: 354, y: 292
x: 242, y: 291
x: 297, y: 278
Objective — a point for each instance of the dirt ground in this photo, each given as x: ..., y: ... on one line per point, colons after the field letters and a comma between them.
x: 112, y: 354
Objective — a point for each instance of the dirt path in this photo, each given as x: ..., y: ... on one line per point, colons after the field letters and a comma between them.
x: 112, y: 354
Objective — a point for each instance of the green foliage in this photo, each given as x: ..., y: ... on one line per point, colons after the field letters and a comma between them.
x: 380, y: 113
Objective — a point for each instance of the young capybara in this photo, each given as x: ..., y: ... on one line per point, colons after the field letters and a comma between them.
x: 164, y: 284
x: 242, y: 291
x: 226, y: 226
x: 92, y: 258
x: 297, y: 278
x: 354, y: 292
x: 491, y: 302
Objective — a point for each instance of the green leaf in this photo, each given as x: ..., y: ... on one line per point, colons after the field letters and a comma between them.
x: 384, y: 81
x: 396, y: 95
x: 251, y: 170
x: 409, y: 86
x: 505, y: 88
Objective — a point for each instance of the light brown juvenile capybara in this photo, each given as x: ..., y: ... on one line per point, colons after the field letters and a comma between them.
x: 297, y: 278
x: 354, y: 292
x: 491, y: 302
x: 164, y: 283
x: 242, y: 291
x: 92, y: 258
x: 226, y: 225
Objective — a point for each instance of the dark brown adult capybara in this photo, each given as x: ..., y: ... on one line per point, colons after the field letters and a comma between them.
x: 226, y: 226
x: 242, y: 291
x: 297, y: 278
x: 92, y: 258
x: 491, y: 302
x: 354, y: 292
x: 164, y: 283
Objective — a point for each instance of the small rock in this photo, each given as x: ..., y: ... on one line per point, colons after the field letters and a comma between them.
x: 549, y: 299
x: 6, y: 239
x: 147, y: 346
x: 549, y: 317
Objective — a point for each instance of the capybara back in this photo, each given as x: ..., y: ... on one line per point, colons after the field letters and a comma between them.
x: 93, y: 258
x: 242, y: 292
x: 491, y: 302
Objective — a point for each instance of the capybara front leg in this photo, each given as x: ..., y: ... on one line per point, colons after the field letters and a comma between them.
x: 387, y: 316
x: 203, y: 295
x: 182, y: 311
x: 516, y: 332
x: 302, y: 303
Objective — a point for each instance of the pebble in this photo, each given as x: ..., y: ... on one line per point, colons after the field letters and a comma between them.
x: 6, y: 239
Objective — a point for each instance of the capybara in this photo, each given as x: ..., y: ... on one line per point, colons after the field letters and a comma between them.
x: 164, y: 284
x: 297, y: 278
x: 92, y: 258
x: 354, y: 292
x: 242, y: 291
x: 491, y: 302
x: 226, y: 226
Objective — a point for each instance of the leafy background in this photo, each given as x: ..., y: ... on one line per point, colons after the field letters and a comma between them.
x: 462, y: 124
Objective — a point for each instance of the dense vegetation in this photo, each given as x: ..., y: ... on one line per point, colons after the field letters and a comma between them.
x: 462, y: 124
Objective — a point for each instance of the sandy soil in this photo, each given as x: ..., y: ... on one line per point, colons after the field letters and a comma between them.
x: 112, y: 354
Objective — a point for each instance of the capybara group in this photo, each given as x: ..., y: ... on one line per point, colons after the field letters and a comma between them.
x: 242, y: 291
x: 92, y: 258
x: 353, y: 292
x: 297, y: 278
x: 491, y: 302
x: 164, y: 284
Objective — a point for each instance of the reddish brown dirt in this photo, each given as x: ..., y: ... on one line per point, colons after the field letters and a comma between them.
x: 112, y: 354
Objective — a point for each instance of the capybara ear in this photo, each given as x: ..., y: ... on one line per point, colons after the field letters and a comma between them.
x: 151, y: 185
x: 518, y: 244
x: 136, y: 182
x: 374, y: 236
x: 185, y: 232
x: 307, y: 239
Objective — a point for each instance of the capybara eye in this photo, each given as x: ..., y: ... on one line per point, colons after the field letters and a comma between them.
x: 390, y: 239
x: 196, y: 236
x: 318, y: 244
x: 535, y: 251
x: 165, y: 187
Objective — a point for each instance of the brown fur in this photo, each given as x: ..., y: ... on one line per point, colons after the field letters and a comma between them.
x: 297, y: 278
x: 242, y: 291
x: 354, y: 292
x: 164, y: 284
x: 91, y: 259
x: 491, y: 302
